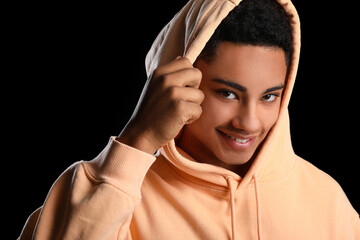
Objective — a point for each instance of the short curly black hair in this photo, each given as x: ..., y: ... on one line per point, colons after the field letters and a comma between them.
x: 253, y: 22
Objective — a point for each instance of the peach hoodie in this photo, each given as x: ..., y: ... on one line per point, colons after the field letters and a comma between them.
x: 125, y: 194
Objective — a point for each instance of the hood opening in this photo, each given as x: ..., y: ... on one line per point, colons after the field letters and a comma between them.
x: 186, y: 35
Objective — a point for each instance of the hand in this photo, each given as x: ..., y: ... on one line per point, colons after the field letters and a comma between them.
x: 170, y: 99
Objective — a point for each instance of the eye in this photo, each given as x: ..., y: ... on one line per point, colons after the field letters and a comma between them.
x: 227, y: 94
x: 269, y: 97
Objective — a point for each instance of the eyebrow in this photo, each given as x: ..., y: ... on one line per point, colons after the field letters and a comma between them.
x: 230, y: 84
x: 272, y: 89
x: 242, y: 88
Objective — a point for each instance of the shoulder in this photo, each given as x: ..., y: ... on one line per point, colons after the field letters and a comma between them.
x: 316, y: 177
x: 328, y: 195
x: 322, y: 186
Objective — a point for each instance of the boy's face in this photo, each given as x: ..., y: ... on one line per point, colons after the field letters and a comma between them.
x: 243, y: 87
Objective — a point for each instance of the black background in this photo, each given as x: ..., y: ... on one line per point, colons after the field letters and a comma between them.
x: 74, y: 73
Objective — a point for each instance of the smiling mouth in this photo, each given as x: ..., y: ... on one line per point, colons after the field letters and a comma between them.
x: 238, y: 140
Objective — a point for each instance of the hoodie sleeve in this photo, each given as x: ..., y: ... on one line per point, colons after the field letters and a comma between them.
x: 93, y: 200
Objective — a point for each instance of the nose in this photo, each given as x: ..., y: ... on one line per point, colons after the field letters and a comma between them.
x: 247, y: 119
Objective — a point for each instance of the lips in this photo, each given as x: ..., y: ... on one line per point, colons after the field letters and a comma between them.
x: 236, y: 141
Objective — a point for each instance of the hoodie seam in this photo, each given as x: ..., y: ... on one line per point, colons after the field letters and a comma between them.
x: 94, y: 179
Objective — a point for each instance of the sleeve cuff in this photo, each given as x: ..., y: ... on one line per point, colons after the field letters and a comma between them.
x: 121, y: 165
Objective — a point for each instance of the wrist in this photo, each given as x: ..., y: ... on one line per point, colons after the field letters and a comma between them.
x: 138, y: 139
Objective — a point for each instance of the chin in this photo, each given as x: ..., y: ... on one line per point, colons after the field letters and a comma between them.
x: 235, y: 158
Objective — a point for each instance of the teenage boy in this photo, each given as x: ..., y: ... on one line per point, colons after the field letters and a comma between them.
x: 215, y: 112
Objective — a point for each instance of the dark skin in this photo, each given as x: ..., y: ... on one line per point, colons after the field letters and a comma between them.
x: 169, y: 100
x: 225, y: 107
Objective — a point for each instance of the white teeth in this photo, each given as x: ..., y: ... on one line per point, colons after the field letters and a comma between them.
x: 238, y: 140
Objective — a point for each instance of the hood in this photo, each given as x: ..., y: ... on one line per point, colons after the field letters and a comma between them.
x: 186, y: 35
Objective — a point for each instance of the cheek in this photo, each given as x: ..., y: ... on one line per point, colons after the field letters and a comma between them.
x: 269, y: 118
x: 214, y: 111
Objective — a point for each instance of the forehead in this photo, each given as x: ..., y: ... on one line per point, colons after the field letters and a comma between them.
x: 248, y: 65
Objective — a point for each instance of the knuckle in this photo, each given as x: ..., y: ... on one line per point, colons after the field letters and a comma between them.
x: 194, y: 116
x: 166, y: 80
x: 198, y: 96
x: 175, y: 105
x: 181, y: 106
x: 172, y: 92
x: 162, y: 82
x: 201, y: 95
x: 197, y: 72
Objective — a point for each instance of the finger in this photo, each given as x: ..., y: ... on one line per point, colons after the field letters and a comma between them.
x: 195, y: 80
x: 190, y: 77
x: 188, y: 94
x: 178, y: 64
x: 194, y: 112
